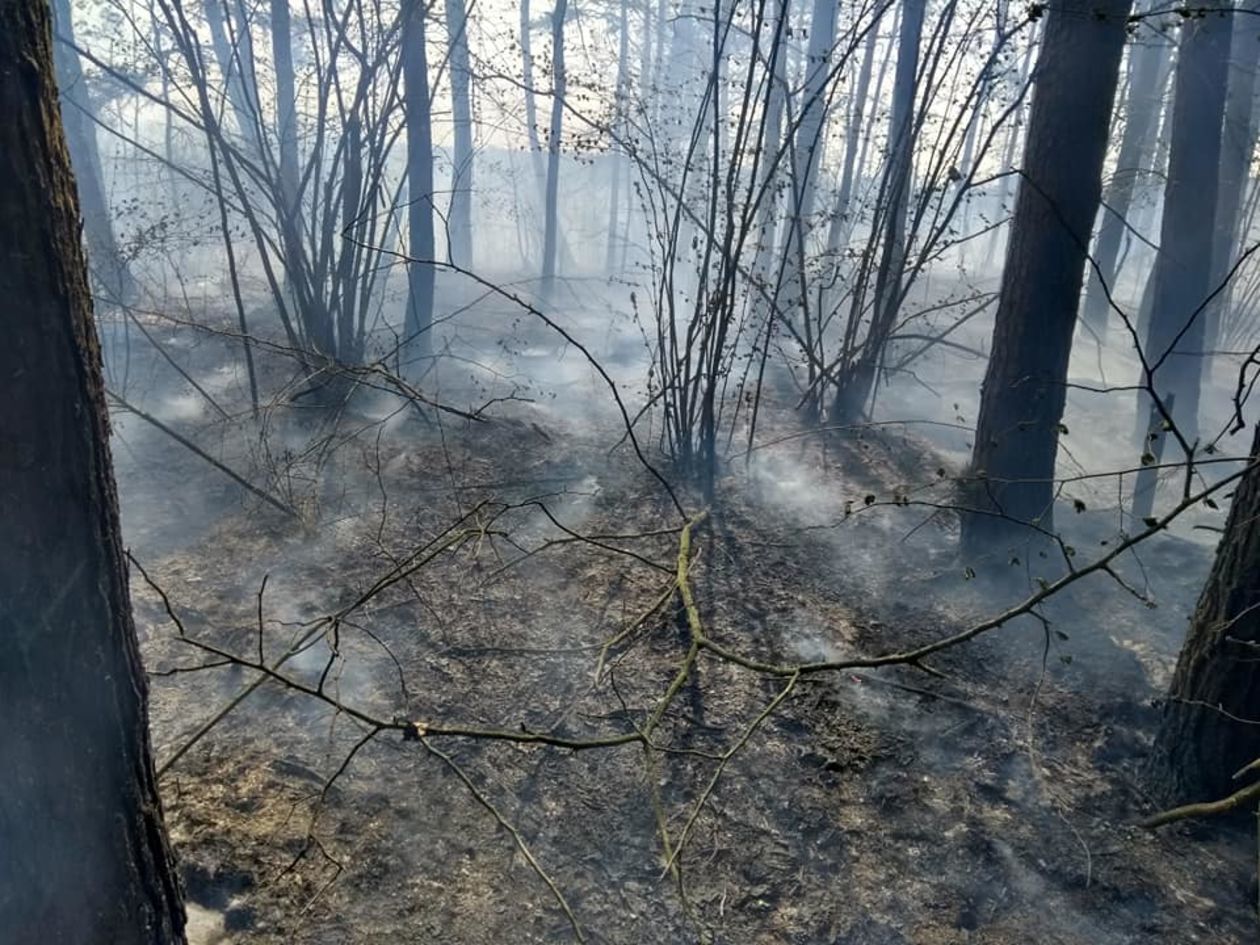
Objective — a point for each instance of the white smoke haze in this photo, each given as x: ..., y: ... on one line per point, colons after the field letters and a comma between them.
x: 732, y: 276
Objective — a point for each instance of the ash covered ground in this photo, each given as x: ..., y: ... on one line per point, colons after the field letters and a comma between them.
x: 989, y: 796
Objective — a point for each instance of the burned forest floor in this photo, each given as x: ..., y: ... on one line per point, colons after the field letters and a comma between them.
x: 515, y: 575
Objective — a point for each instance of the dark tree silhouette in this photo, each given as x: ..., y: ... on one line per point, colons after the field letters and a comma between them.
x: 85, y: 853
x: 1148, y: 77
x: 1021, y: 408
x: 1207, y: 734
x: 419, y: 317
x: 1183, y: 268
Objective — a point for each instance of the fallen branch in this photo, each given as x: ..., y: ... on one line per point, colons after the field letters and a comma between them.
x: 194, y: 448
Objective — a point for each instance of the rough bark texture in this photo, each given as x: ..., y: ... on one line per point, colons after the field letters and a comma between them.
x: 1182, y: 272
x: 109, y: 268
x: 1017, y: 435
x: 1200, y: 747
x: 85, y: 859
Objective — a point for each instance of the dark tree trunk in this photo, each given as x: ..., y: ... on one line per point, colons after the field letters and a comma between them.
x: 1148, y: 76
x: 859, y: 383
x: 1203, y: 740
x: 1184, y: 265
x: 1017, y: 435
x: 85, y: 857
x: 286, y: 117
x: 1238, y: 140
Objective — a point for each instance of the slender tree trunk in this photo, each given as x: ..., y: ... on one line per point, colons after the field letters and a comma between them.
x: 1206, y: 734
x: 1148, y: 77
x: 551, y: 210
x: 1013, y: 137
x: 1021, y: 407
x: 85, y: 858
x: 857, y: 387
x: 419, y: 316
x: 808, y: 145
x: 229, y: 57
x: 620, y: 105
x: 772, y: 140
x: 286, y: 114
x: 1184, y: 265
x: 531, y: 103
x: 110, y: 272
x: 1238, y: 141
x: 460, y: 222
x: 852, y: 133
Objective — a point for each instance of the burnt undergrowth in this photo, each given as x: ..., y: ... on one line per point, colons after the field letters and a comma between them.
x: 470, y: 625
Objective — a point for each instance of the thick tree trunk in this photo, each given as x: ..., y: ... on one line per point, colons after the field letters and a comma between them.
x: 1207, y: 732
x: 460, y: 249
x: 109, y: 269
x: 1017, y: 435
x: 551, y: 196
x: 1148, y: 77
x: 419, y: 316
x: 1183, y: 268
x: 85, y: 853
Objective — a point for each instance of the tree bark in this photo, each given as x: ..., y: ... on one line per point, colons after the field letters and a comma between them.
x: 1021, y: 407
x: 852, y: 134
x: 229, y: 54
x: 420, y: 276
x: 620, y: 105
x: 111, y: 274
x: 1174, y: 339
x: 551, y: 210
x: 460, y: 248
x: 1238, y: 141
x: 85, y: 857
x: 1148, y: 77
x: 1203, y: 739
x: 856, y: 387
x: 286, y: 115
